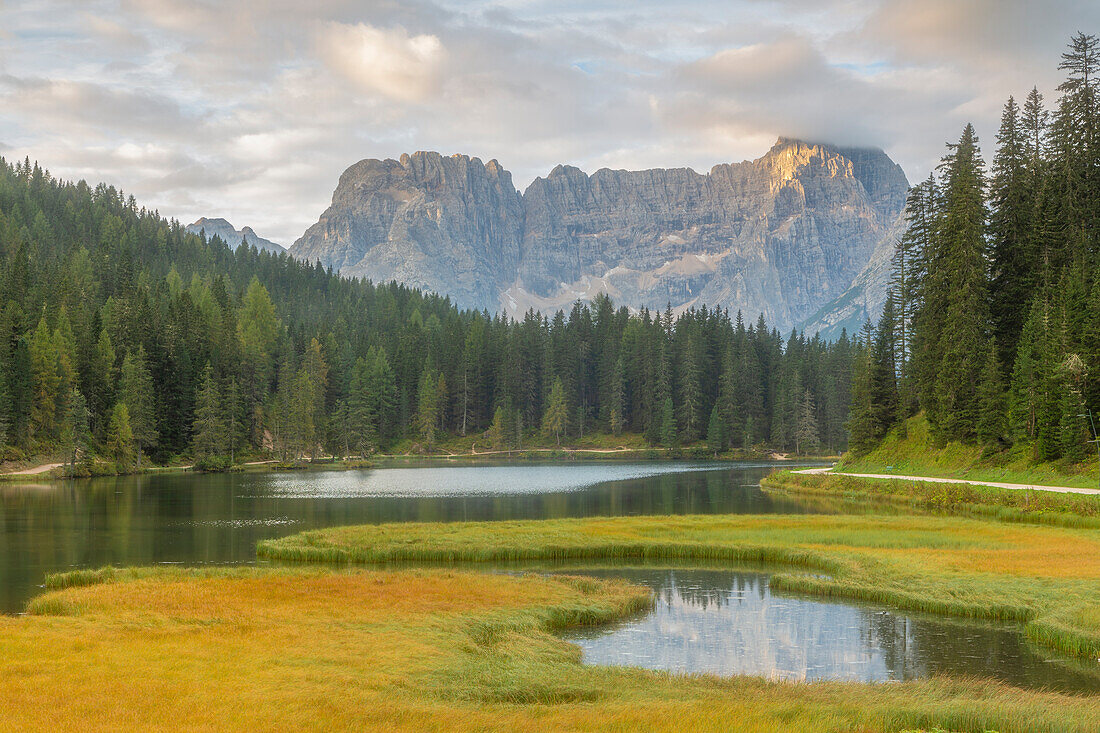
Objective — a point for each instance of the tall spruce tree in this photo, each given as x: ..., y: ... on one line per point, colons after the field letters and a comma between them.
x: 79, y: 435
x: 956, y: 295
x: 992, y: 416
x: 1012, y: 246
x: 209, y: 427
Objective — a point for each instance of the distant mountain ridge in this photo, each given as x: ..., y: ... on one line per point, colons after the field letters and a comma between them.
x: 785, y: 235
x: 232, y: 237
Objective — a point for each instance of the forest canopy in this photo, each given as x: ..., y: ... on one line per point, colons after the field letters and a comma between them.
x: 992, y: 326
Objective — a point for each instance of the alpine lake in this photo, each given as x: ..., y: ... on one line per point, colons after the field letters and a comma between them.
x: 724, y: 621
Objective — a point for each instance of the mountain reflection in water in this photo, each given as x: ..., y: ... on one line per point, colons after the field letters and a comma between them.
x: 730, y: 623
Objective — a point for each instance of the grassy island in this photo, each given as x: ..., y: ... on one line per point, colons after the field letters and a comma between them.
x: 1047, y: 577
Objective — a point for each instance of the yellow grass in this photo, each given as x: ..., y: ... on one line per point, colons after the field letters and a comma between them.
x: 435, y: 650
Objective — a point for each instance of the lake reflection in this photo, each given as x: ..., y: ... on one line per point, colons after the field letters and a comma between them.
x: 218, y: 518
x: 729, y: 623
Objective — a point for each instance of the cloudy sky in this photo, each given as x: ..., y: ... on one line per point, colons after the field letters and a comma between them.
x: 251, y: 110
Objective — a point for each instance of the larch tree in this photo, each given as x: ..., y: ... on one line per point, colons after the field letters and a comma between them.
x: 555, y: 421
x: 120, y: 437
x: 136, y: 392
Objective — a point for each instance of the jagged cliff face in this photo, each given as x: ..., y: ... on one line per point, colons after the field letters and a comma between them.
x: 232, y: 237
x: 448, y: 224
x: 782, y: 235
x: 863, y: 300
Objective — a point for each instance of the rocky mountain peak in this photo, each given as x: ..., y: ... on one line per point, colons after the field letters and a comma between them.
x: 781, y: 235
x: 220, y: 227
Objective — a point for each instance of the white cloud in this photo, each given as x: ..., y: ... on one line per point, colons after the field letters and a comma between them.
x: 387, y: 61
x: 251, y: 109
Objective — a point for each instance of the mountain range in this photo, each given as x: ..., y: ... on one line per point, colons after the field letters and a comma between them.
x: 802, y: 235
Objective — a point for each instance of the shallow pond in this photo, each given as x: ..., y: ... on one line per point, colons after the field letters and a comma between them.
x: 729, y: 622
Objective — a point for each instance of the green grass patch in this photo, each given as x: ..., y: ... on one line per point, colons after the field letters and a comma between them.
x: 912, y: 452
x: 1011, y: 505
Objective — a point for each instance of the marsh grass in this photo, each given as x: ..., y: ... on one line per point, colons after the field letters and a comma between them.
x: 943, y: 565
x: 413, y: 650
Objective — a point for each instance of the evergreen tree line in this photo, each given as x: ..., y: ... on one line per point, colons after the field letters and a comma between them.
x: 123, y: 335
x: 992, y: 325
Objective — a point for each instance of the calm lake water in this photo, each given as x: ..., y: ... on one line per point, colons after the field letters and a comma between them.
x: 218, y: 518
x: 703, y: 621
x: 729, y: 622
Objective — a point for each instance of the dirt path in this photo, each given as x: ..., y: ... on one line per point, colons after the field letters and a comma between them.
x: 938, y: 480
x: 44, y: 468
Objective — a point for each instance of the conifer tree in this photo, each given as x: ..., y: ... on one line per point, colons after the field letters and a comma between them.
x: 882, y: 375
x: 258, y: 332
x: 361, y: 421
x: 691, y: 395
x: 234, y: 426
x: 616, y: 397
x: 5, y: 406
x: 1010, y: 225
x: 1034, y: 121
x: 136, y: 392
x: 556, y: 419
x: 863, y: 431
x: 78, y: 433
x: 302, y: 428
x: 312, y: 386
x: 716, y: 431
x: 427, y: 419
x: 670, y: 437
x: 43, y: 354
x: 1073, y: 430
x: 992, y: 422
x: 120, y: 438
x: 497, y: 429
x: 382, y: 390
x: 959, y: 286
x: 1025, y: 388
x: 806, y: 434
x: 101, y: 382
x: 209, y: 427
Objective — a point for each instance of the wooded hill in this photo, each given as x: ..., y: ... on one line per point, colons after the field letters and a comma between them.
x: 126, y: 336
x: 992, y: 326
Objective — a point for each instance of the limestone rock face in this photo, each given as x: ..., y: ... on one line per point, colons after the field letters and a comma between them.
x: 232, y: 237
x: 783, y: 235
x: 452, y: 225
x: 863, y: 300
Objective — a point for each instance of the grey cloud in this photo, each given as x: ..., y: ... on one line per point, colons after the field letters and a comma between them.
x: 67, y: 105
